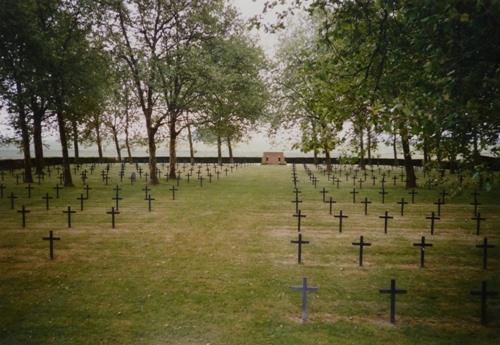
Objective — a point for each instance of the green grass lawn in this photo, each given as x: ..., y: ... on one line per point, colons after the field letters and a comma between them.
x: 215, y: 266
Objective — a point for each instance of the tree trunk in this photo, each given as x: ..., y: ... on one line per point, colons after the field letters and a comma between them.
x: 395, y: 149
x: 74, y: 127
x: 68, y: 181
x: 369, y: 144
x: 426, y: 152
x: 152, y: 152
x: 172, y: 148
x: 328, y: 160
x: 219, y: 150
x: 315, y: 157
x: 98, y: 139
x: 25, y: 137
x: 127, y: 139
x: 37, y: 140
x: 117, y: 143
x: 191, y: 147
x: 230, y: 150
x: 411, y: 181
x: 362, y: 164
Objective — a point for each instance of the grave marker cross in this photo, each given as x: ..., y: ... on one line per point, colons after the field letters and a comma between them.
x: 422, y: 246
x: 393, y: 292
x: 361, y: 244
x: 354, y: 192
x: 386, y: 217
x: 2, y: 188
x: 383, y: 193
x: 23, y: 210
x: 340, y: 216
x: 82, y: 199
x: 299, y: 215
x: 57, y: 188
x: 439, y: 203
x: 305, y: 289
x: 324, y: 192
x: 12, y: 198
x: 29, y: 188
x: 69, y: 212
x: 478, y: 220
x: 331, y: 202
x: 299, y: 243
x: 402, y: 203
x: 485, y: 247
x: 113, y: 212
x: 149, y: 199
x: 413, y: 193
x: 46, y: 198
x: 484, y: 294
x: 51, y: 240
x: 433, y: 218
x: 173, y: 189
x: 366, y: 202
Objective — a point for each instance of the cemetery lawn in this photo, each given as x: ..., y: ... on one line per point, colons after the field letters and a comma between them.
x: 216, y: 265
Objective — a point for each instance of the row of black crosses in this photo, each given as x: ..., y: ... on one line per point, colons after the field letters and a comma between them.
x: 484, y: 293
x: 116, y: 198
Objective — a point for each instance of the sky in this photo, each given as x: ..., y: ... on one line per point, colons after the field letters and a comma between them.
x: 258, y: 142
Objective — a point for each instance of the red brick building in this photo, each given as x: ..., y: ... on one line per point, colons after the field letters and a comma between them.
x: 273, y: 158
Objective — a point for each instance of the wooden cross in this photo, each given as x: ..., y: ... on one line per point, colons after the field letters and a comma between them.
x: 393, y: 292
x: 299, y: 215
x: 422, y: 246
x: 23, y: 210
x: 29, y: 188
x: 209, y: 177
x: 173, y: 189
x: 149, y: 199
x: 69, y: 212
x: 324, y: 192
x: 337, y: 181
x: 46, y: 198
x: 201, y: 180
x: 146, y: 175
x: 386, y: 217
x: 146, y: 190
x: 478, y: 220
x: 484, y: 294
x: 394, y: 179
x: 117, y: 199
x: 305, y: 289
x: 82, y: 199
x: 314, y: 181
x: 443, y: 194
x: 51, y: 240
x: 402, y: 203
x: 383, y: 193
x: 354, y: 192
x: 113, y: 212
x: 373, y: 180
x: 413, y: 193
x: 331, y: 202
x: 439, y: 203
x: 433, y: 218
x: 360, y: 180
x: 361, y: 244
x: 299, y: 243
x: 340, y: 216
x: 485, y: 247
x: 87, y: 189
x: 12, y: 198
x: 475, y: 204
x: 366, y: 202
x: 57, y: 188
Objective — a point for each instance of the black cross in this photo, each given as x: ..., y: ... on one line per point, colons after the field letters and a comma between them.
x: 361, y: 244
x: 299, y: 215
x: 146, y: 189
x: 413, y: 193
x: 443, y: 195
x: 29, y: 188
x: 117, y: 199
x: 173, y: 189
x: 354, y: 195
x: 485, y: 247
x: 402, y: 203
x: 201, y: 180
x: 81, y: 198
x: 113, y: 213
x: 484, y: 293
x: 57, y: 188
x: 386, y: 217
x: 51, y: 238
x: 296, y: 202
x: 314, y: 181
x: 478, y: 220
x: 422, y: 246
x: 2, y: 188
x: 46, y: 198
x: 304, y: 289
x: 394, y: 179
x: 106, y: 179
x: 69, y: 212
x: 87, y: 188
x: 23, y: 210
x: 209, y: 177
x: 149, y: 199
x: 366, y: 202
x: 117, y: 189
x: 475, y: 204
x: 433, y: 218
x: 383, y: 193
x: 146, y: 177
x: 340, y: 216
x: 439, y: 203
x: 324, y: 192
x: 373, y: 180
x: 12, y: 198
x: 331, y: 202
x: 393, y: 292
x: 299, y: 242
